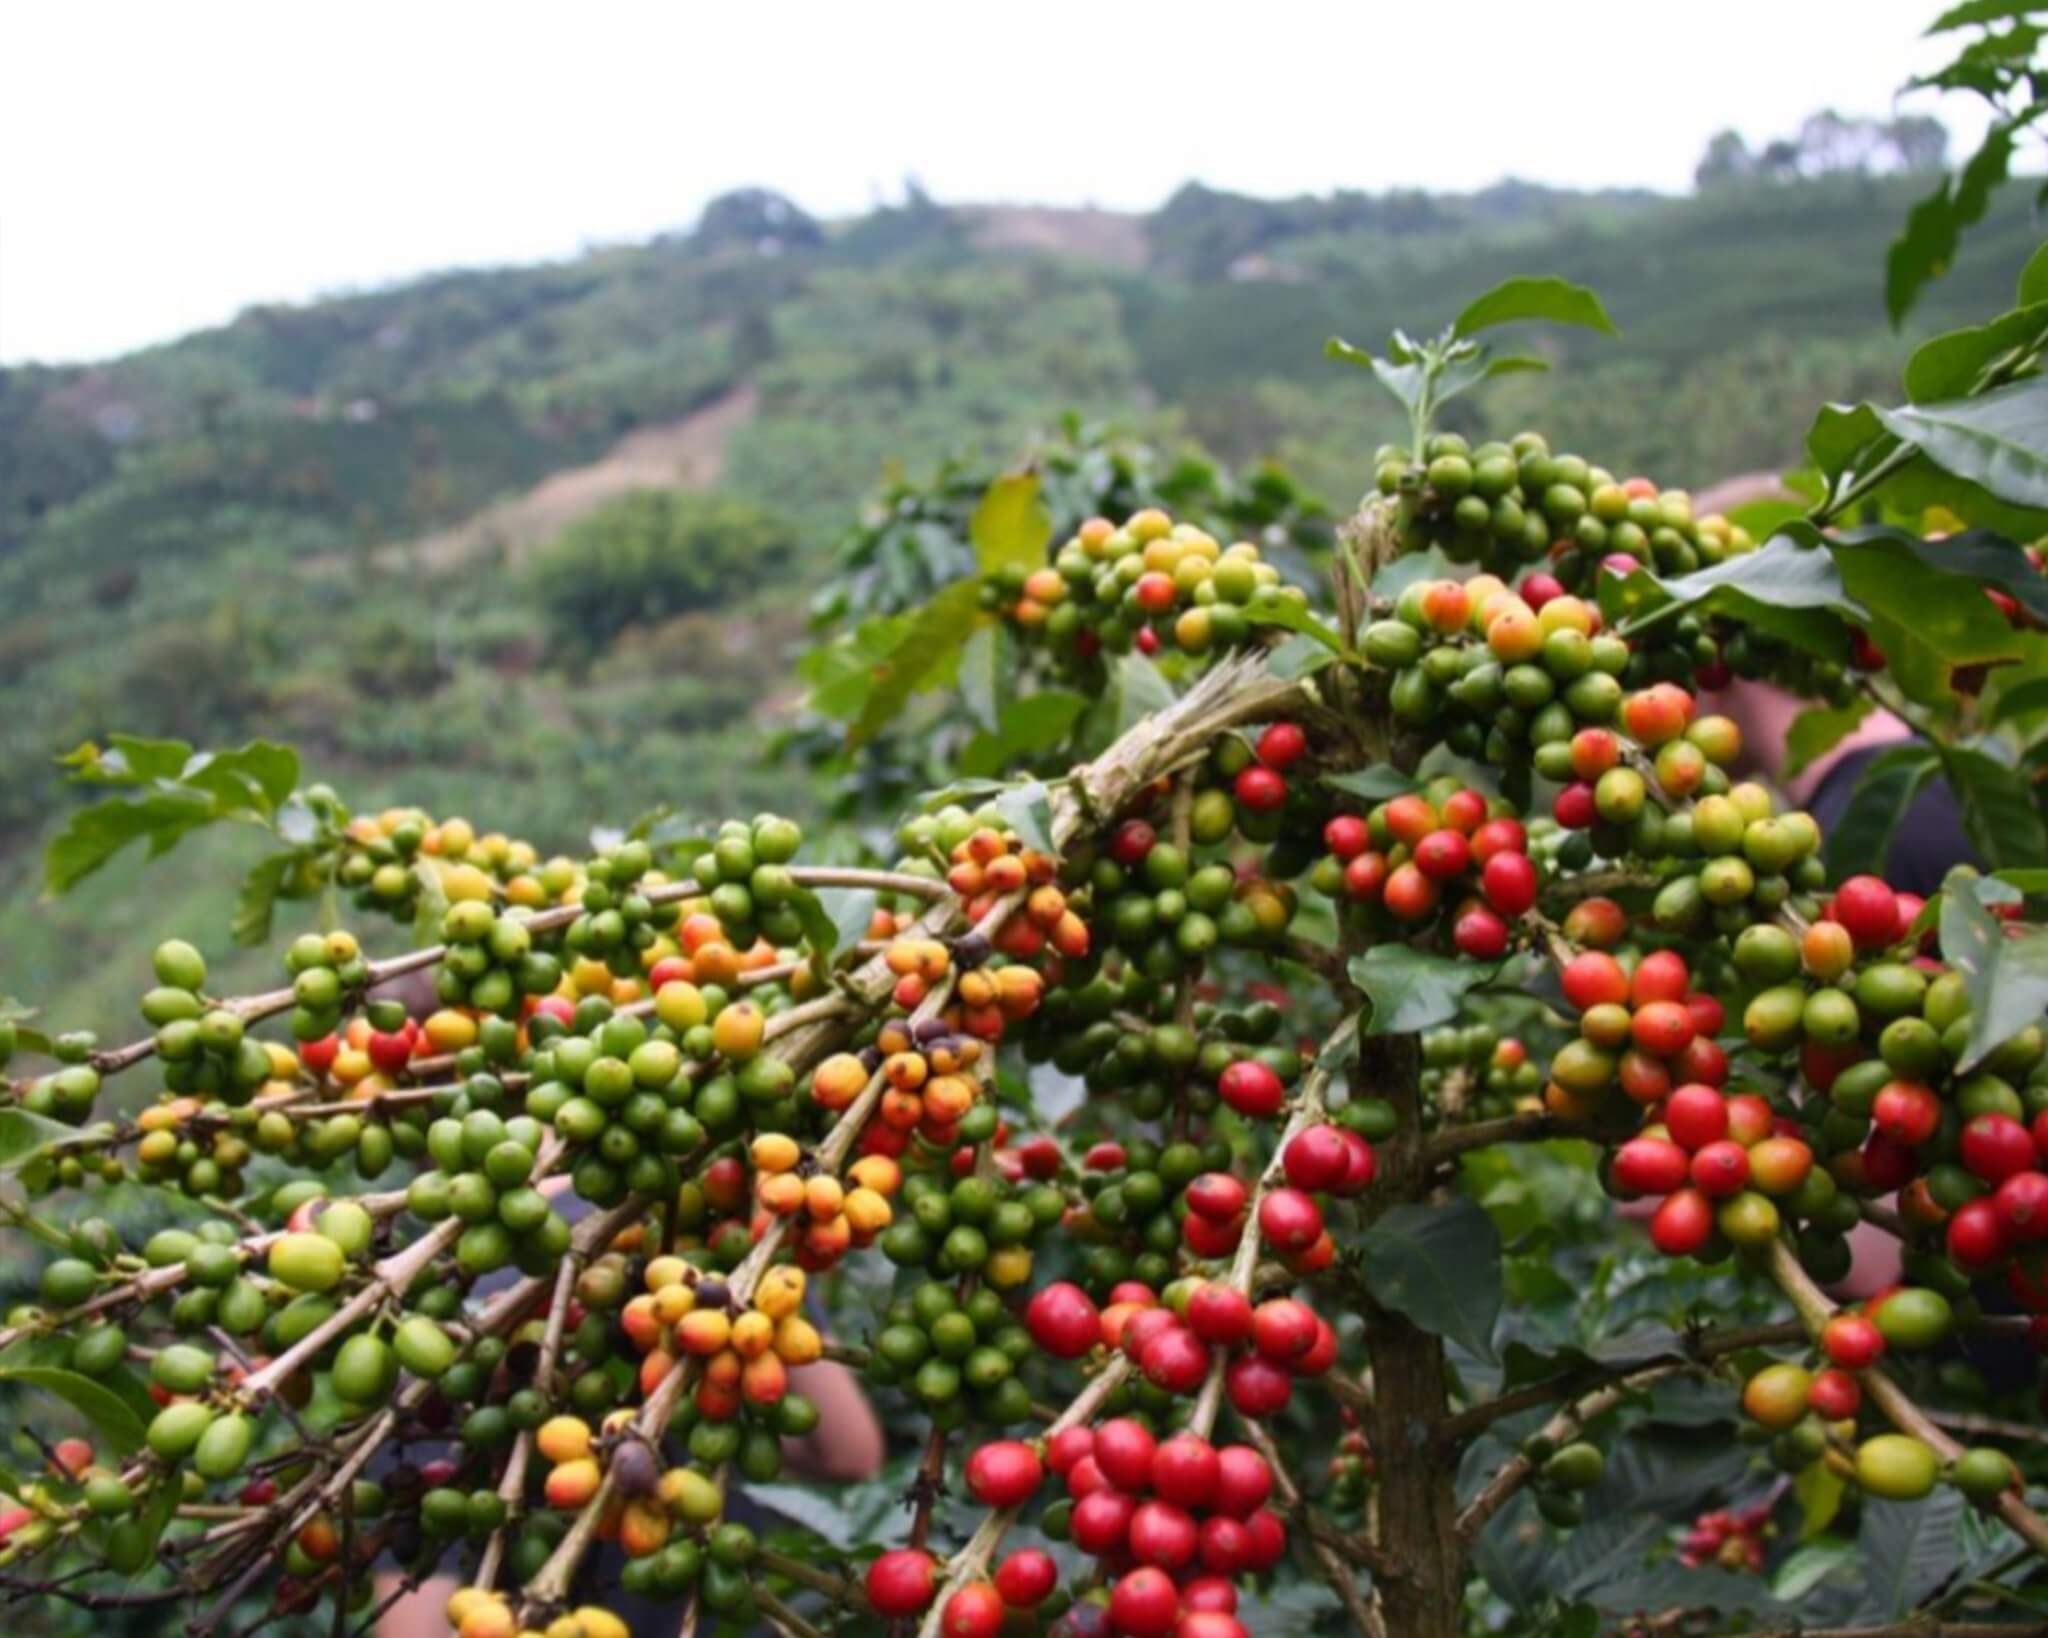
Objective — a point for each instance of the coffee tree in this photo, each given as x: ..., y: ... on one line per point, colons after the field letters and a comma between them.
x: 1203, y: 1145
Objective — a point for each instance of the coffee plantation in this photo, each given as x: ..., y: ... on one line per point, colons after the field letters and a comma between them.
x: 1355, y: 918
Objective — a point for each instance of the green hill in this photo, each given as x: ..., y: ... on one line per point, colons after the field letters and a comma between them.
x: 330, y: 523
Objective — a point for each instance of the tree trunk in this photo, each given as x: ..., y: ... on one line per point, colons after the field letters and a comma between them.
x: 1422, y: 1597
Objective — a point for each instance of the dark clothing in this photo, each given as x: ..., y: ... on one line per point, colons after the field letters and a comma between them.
x: 1930, y: 840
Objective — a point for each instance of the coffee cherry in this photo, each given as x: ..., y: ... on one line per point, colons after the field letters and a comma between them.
x: 902, y: 1583
x: 1063, y: 1321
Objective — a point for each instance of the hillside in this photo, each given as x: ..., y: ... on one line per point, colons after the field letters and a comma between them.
x: 315, y: 522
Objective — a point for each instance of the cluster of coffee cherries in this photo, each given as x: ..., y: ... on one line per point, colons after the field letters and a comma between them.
x: 1147, y: 585
x: 1506, y: 504
x: 1448, y: 853
x: 1475, y: 1068
x: 960, y: 1357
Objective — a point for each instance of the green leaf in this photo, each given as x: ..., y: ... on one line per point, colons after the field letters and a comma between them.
x: 1926, y: 246
x: 821, y: 929
x: 127, y: 760
x: 1027, y: 809
x: 1907, y: 1549
x: 1948, y: 366
x: 1844, y: 437
x: 2005, y: 971
x: 986, y: 666
x: 1789, y: 590
x: 1439, y: 1266
x: 935, y: 637
x: 1550, y: 299
x: 842, y: 673
x: 95, y: 834
x: 1973, y: 12
x: 1011, y: 527
x: 1819, y: 1490
x: 1812, y: 1564
x: 2023, y: 700
x: 1998, y: 440
x: 2034, y: 279
x: 1290, y: 616
x: 24, y: 1135
x: 1818, y: 730
x: 1382, y: 782
x: 2000, y: 815
x: 1141, y: 690
x: 1029, y: 726
x: 111, y: 1416
x: 1299, y: 656
x: 1413, y: 990
x: 276, y: 877
x: 1860, y: 843
x: 1406, y: 382
x: 257, y: 777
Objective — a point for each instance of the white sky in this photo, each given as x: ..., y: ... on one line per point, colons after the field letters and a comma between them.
x: 164, y: 165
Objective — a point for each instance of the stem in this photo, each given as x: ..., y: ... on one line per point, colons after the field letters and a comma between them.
x: 1328, y: 1555
x: 1815, y: 1308
x: 971, y: 1561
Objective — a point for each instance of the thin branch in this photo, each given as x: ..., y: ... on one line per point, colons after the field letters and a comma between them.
x: 1329, y: 1556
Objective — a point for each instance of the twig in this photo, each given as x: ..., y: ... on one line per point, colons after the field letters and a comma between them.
x: 1329, y: 1559
x: 783, y: 1616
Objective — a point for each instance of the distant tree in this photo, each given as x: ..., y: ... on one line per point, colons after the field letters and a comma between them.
x: 1726, y: 160
x: 649, y: 555
x: 757, y: 218
x: 1919, y: 141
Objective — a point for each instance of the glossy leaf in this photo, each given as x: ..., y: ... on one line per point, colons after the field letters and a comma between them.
x: 1907, y: 1549
x: 1948, y: 366
x: 1029, y: 727
x: 933, y: 641
x: 1926, y: 247
x: 256, y: 898
x: 1998, y: 440
x: 1012, y: 526
x: 1414, y: 990
x: 1860, y: 843
x: 1028, y: 811
x: 1382, y: 782
x: 1818, y: 730
x: 1843, y: 437
x: 1552, y: 300
x: 2004, y: 972
x: 111, y: 1416
x: 1438, y: 1265
x: 94, y: 835
x: 1820, y: 1491
x: 2000, y: 814
x: 1300, y: 655
x: 987, y: 663
x: 1785, y: 588
x: 1141, y: 689
x: 2034, y: 278
x: 24, y: 1135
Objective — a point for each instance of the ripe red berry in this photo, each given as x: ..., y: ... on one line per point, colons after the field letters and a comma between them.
x: 1594, y: 978
x: 1175, y: 1360
x: 1281, y: 746
x: 1123, y: 1450
x: 1317, y: 1158
x: 1067, y: 1447
x: 1360, y: 1166
x: 1365, y: 877
x: 1574, y: 808
x: 1289, y: 1220
x: 1683, y: 1224
x: 1063, y: 1320
x: 1283, y: 1328
x: 1443, y: 855
x: 1131, y: 842
x: 1868, y: 907
x: 1222, y: 1546
x: 2022, y: 1203
x: 902, y: 1582
x: 1499, y: 836
x: 1162, y: 1534
x: 1721, y: 1169
x: 1004, y: 1473
x: 1409, y: 894
x: 1266, y: 1541
x: 1996, y: 1146
x: 1659, y: 976
x: 1101, y: 1520
x: 1243, y: 1481
x: 1347, y: 836
x: 1834, y: 1394
x: 1220, y: 1314
x: 1144, y: 1604
x: 1906, y: 1112
x: 1852, y: 1341
x: 1026, y: 1578
x: 1186, y: 1471
x: 1509, y: 882
x: 1480, y: 935
x: 975, y: 1611
x: 1258, y: 1387
x: 1252, y: 1089
x: 1650, y: 1165
x: 1260, y: 789
x: 1695, y: 1116
x: 1975, y: 1236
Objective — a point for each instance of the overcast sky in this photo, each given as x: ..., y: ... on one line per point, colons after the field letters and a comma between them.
x: 164, y: 165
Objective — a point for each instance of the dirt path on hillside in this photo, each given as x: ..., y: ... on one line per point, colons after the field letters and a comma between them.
x: 685, y: 454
